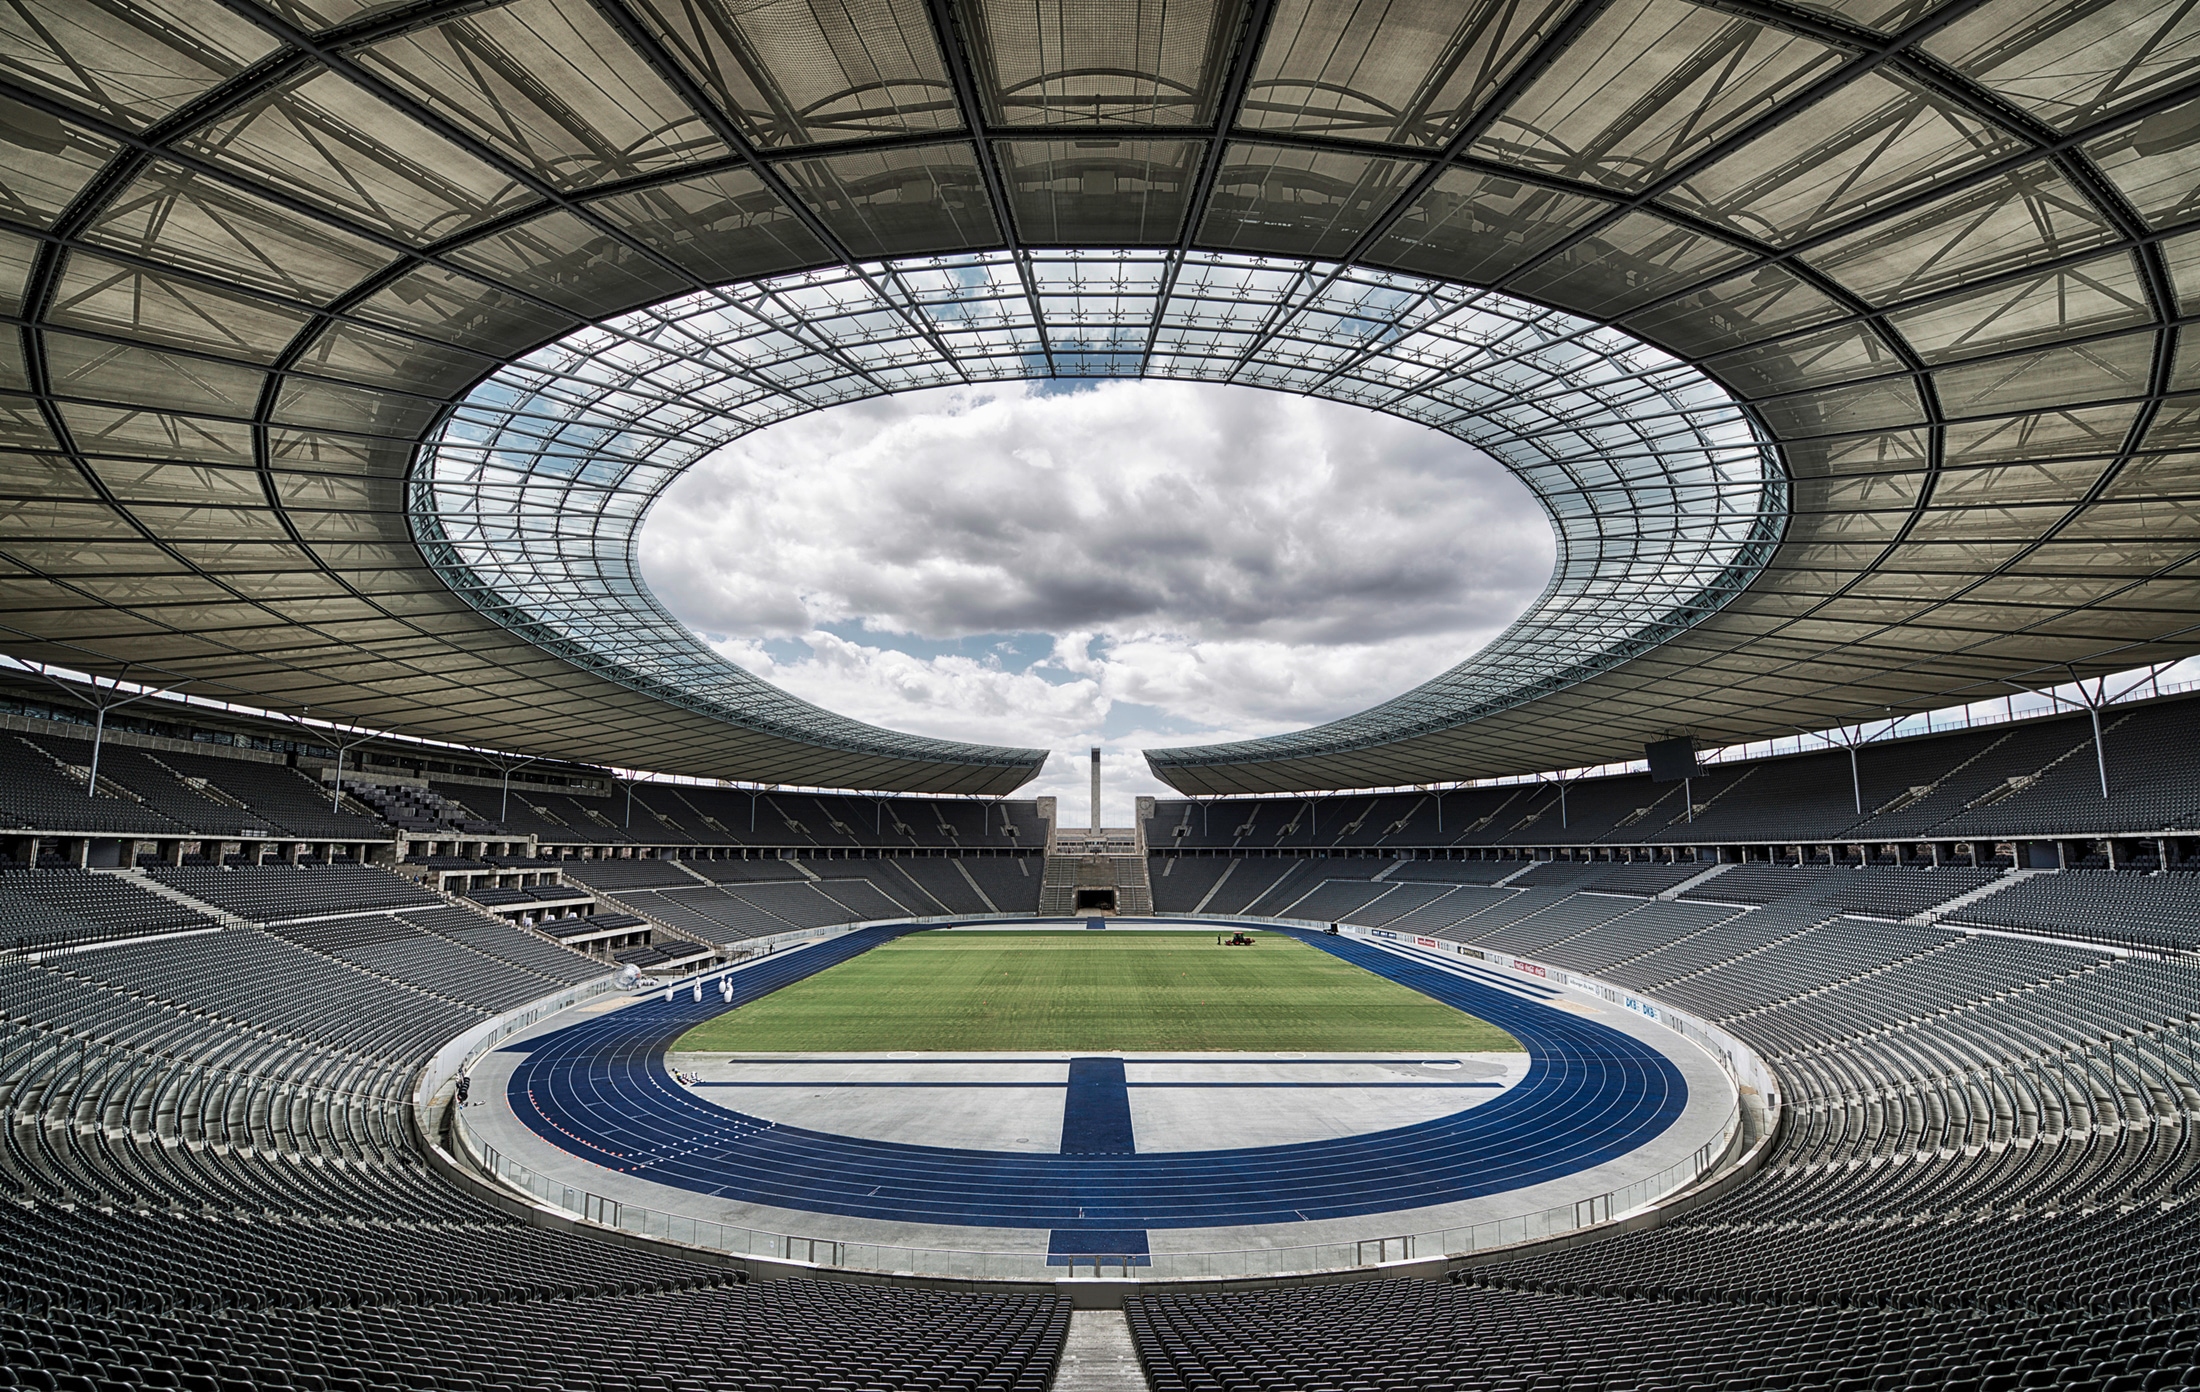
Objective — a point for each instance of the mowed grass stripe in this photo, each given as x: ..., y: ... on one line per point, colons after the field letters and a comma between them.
x: 1075, y: 990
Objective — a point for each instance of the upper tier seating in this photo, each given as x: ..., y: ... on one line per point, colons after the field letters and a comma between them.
x: 2036, y: 777
x: 627, y: 874
x: 47, y: 908
x: 281, y: 893
x: 34, y: 792
x: 2157, y: 912
x: 289, y: 799
x: 142, y: 772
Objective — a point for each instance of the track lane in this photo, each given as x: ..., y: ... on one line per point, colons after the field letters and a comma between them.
x: 600, y: 1090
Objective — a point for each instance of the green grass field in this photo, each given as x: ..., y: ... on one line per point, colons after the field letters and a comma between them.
x: 1098, y: 991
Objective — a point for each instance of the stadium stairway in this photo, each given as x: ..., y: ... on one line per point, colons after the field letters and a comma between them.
x: 1963, y: 901
x: 1687, y: 885
x: 1058, y: 887
x: 657, y: 925
x: 152, y: 886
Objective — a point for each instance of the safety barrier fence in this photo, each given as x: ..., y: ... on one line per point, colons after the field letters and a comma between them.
x: 1034, y: 1264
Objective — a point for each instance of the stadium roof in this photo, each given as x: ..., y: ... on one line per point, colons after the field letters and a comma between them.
x: 1844, y: 347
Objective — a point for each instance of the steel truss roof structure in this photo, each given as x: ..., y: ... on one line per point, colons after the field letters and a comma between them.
x: 1846, y: 345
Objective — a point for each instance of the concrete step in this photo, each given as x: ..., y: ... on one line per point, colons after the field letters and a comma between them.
x: 1058, y: 886
x: 1098, y: 1355
x: 1940, y: 911
x: 976, y: 888
x: 1690, y: 883
x: 152, y: 886
x: 1133, y: 886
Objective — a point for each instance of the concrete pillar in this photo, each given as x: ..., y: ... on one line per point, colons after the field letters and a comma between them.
x: 1096, y: 787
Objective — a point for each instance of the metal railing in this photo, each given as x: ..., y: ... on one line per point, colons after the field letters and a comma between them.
x: 1034, y: 1263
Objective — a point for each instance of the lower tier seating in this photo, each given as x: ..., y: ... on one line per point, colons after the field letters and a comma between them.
x: 1422, y: 1336
x: 1983, y: 1180
x: 645, y: 1333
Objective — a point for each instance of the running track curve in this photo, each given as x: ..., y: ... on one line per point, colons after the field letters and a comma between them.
x: 601, y: 1090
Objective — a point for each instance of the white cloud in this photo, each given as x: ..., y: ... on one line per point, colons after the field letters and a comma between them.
x: 949, y: 696
x: 1210, y: 562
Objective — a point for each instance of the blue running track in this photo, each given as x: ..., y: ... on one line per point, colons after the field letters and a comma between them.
x: 600, y: 1089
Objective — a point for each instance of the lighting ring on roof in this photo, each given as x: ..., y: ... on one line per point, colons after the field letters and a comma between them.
x: 1665, y: 497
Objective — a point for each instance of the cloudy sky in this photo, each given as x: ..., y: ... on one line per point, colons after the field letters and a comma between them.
x: 1129, y: 564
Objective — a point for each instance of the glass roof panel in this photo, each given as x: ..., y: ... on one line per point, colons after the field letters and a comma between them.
x: 2070, y: 65
x: 1762, y: 303
x: 2001, y: 224
x: 2156, y: 164
x: 1889, y: 16
x: 1627, y: 264
x: 173, y: 215
x: 49, y: 162
x: 2089, y: 298
x: 131, y: 61
x: 327, y: 142
x: 723, y: 226
x: 129, y: 300
x: 561, y: 258
x: 2182, y: 255
x: 2109, y: 370
x: 1878, y: 138
x: 1664, y: 497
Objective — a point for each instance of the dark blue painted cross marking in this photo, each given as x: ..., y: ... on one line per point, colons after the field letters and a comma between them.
x: 1096, y: 1120
x: 1096, y: 1111
x: 965, y: 1083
